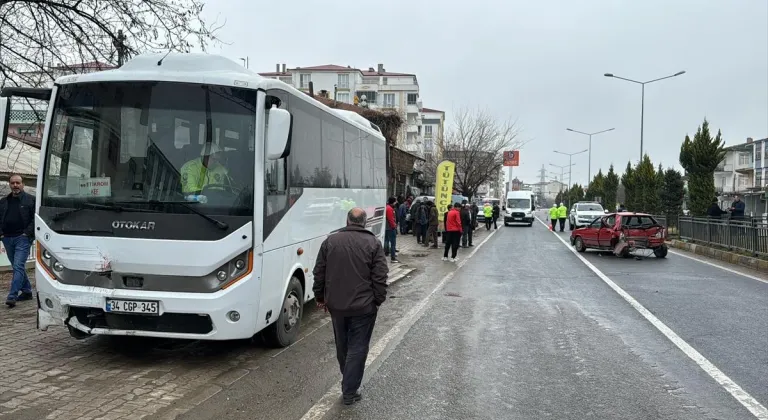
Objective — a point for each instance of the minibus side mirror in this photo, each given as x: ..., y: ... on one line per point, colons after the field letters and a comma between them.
x: 278, y: 141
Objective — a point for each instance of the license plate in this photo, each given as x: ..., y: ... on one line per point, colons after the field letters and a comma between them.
x: 146, y: 307
x: 518, y: 218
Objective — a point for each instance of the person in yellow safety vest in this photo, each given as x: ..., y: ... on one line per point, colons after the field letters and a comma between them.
x: 562, y: 214
x: 207, y: 170
x: 488, y: 215
x: 553, y: 216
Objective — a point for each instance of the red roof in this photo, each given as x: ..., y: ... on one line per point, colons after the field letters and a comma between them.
x: 425, y: 109
x: 327, y: 67
x: 274, y: 73
x: 386, y: 73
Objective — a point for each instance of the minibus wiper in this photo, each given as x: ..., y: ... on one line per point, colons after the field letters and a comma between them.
x: 111, y: 207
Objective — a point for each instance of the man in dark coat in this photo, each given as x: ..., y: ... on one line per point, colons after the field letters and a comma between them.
x: 350, y: 282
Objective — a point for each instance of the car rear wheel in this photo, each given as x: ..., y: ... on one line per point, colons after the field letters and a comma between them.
x: 660, y: 252
x: 571, y: 226
x: 578, y: 243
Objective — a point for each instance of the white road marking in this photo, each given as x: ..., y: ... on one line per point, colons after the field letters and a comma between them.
x: 730, y: 270
x: 749, y: 402
x: 321, y: 408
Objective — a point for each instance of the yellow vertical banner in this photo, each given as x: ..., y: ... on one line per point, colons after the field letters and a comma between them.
x: 444, y: 188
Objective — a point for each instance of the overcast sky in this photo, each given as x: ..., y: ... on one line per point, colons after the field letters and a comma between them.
x: 541, y: 63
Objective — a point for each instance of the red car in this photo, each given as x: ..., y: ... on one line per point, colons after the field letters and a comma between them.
x: 622, y: 233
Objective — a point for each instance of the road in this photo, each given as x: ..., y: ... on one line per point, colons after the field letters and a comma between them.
x: 521, y: 328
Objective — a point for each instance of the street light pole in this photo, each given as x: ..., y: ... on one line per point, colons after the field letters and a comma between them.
x: 570, y: 169
x: 562, y: 173
x: 589, y: 166
x: 642, y: 100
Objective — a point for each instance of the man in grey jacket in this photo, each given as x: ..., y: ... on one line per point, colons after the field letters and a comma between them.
x: 351, y: 283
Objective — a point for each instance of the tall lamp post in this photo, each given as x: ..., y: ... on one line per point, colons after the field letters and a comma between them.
x: 570, y: 168
x: 642, y: 100
x: 562, y: 173
x: 589, y: 165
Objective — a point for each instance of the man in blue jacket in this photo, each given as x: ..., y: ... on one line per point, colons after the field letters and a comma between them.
x: 17, y: 231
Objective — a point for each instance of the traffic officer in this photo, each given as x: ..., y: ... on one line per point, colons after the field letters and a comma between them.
x: 207, y: 170
x: 562, y: 213
x: 553, y: 216
x: 488, y: 215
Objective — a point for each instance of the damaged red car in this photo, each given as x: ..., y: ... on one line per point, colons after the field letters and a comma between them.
x: 622, y: 233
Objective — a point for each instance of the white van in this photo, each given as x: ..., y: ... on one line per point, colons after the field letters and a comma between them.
x: 519, y: 208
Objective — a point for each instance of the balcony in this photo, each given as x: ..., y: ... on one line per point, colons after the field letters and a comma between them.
x: 412, y: 127
x: 410, y: 87
x: 724, y: 168
x: 742, y: 166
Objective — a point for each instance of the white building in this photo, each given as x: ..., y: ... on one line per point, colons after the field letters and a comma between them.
x: 433, y: 129
x: 736, y: 173
x: 378, y: 88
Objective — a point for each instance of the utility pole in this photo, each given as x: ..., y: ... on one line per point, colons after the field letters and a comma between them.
x: 120, y: 47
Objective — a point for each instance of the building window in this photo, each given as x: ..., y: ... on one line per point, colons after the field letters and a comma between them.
x: 412, y: 97
x: 428, y: 131
x: 389, y: 100
x: 370, y: 96
x: 758, y: 156
x: 428, y: 145
x: 383, y: 80
x: 286, y: 79
x: 342, y: 97
x: 343, y: 81
x: 745, y: 159
x: 759, y: 179
x: 304, y: 79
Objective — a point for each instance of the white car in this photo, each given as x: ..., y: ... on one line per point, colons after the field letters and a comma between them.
x: 583, y: 213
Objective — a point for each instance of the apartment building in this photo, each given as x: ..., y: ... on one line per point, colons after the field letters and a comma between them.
x: 736, y: 173
x: 375, y: 88
x: 433, y: 129
x: 760, y: 166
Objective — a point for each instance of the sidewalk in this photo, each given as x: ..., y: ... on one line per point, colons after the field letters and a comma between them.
x: 410, y: 253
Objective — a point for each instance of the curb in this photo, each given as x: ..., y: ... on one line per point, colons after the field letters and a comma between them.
x: 729, y: 257
x: 399, y: 273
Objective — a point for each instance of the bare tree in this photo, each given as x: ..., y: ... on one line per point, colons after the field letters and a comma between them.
x: 475, y: 143
x: 34, y: 34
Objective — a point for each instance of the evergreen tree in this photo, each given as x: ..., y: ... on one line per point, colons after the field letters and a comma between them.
x: 628, y: 181
x: 575, y: 193
x: 700, y: 157
x: 672, y: 195
x: 595, y: 189
x: 646, y: 188
x: 610, y: 186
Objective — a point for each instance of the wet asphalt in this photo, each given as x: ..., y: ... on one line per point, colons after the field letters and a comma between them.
x: 525, y: 330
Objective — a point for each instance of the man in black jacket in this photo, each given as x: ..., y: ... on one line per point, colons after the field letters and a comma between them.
x: 466, y: 226
x: 351, y: 283
x: 17, y: 231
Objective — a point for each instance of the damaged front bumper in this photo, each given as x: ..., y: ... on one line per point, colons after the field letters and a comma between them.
x: 182, y: 315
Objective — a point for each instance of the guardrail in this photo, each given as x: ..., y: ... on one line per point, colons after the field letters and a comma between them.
x: 747, y: 235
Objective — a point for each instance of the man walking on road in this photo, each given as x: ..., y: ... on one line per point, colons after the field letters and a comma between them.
x: 351, y: 283
x: 452, y: 232
x: 17, y: 231
x: 496, y: 211
x: 553, y: 216
x: 562, y: 214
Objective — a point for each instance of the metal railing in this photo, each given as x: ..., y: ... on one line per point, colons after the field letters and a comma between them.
x: 748, y: 235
